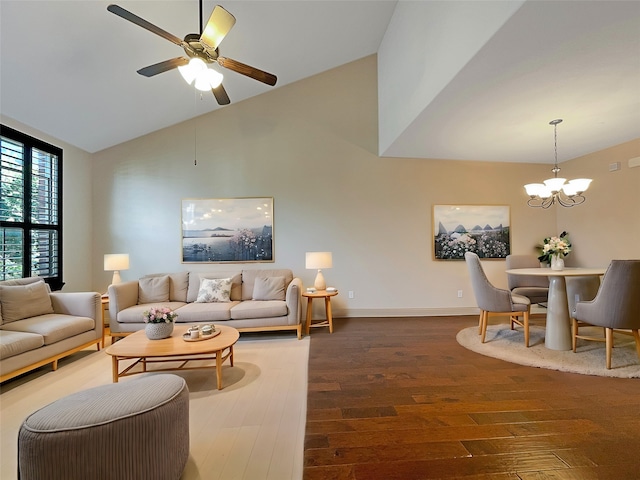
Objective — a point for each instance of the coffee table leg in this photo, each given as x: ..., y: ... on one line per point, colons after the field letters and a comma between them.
x: 231, y: 354
x: 114, y: 368
x: 219, y: 368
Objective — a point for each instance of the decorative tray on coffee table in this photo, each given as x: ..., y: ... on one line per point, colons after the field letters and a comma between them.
x: 187, y: 337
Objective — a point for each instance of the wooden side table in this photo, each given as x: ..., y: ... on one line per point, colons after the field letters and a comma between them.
x: 327, y: 305
x: 105, y: 306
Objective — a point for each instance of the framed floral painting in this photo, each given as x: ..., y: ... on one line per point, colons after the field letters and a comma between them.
x: 227, y: 230
x: 482, y: 229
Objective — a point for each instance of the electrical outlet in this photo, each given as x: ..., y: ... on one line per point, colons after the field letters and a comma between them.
x: 350, y: 293
x: 459, y: 293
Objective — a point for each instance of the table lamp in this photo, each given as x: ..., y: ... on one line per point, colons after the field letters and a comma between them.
x: 116, y: 262
x: 319, y: 260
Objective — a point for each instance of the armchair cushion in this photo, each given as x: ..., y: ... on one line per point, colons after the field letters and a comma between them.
x: 24, y: 301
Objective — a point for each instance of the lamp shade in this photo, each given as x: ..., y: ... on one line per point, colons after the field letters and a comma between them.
x: 318, y: 260
x: 116, y: 261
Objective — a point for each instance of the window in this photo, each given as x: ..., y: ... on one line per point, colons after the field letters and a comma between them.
x: 30, y: 208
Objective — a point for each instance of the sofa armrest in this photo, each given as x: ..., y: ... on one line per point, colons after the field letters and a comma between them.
x: 293, y: 299
x: 121, y: 296
x: 80, y: 304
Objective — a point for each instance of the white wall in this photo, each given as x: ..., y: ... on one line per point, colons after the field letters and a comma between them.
x: 425, y: 46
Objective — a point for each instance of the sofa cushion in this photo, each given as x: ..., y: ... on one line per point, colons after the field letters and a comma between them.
x: 249, y: 278
x: 153, y: 289
x: 178, y: 285
x: 194, y: 283
x: 205, y: 312
x: 23, y: 301
x: 19, y: 281
x: 22, y: 281
x: 134, y: 313
x: 269, y: 288
x: 52, y: 327
x: 259, y: 309
x: 214, y: 290
x: 15, y: 343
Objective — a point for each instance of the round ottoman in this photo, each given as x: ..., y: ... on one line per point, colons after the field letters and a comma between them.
x: 137, y: 429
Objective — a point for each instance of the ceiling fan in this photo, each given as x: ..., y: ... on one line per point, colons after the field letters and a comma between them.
x: 201, y: 50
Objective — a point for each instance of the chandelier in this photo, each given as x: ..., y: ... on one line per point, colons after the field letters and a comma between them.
x: 557, y: 190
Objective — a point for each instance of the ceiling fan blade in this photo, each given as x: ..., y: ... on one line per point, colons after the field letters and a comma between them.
x: 127, y: 15
x: 219, y: 24
x: 247, y: 70
x: 221, y: 95
x: 161, y: 67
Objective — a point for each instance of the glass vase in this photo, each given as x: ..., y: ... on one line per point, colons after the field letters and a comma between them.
x: 557, y: 262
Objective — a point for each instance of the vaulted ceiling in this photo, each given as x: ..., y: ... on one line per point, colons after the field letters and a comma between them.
x: 68, y: 69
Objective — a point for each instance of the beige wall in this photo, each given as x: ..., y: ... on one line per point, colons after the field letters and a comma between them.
x: 607, y: 225
x: 77, y: 219
x: 312, y: 146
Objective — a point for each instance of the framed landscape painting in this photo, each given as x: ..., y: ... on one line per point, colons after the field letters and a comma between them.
x: 227, y: 230
x: 481, y: 229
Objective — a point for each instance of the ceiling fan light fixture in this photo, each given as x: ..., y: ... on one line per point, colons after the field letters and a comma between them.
x: 208, y: 79
x: 190, y: 71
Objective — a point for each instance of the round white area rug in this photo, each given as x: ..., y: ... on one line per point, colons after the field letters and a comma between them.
x: 589, y: 359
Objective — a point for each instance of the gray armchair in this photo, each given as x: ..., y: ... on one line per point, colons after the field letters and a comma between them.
x: 535, y: 288
x: 494, y: 301
x: 615, y: 307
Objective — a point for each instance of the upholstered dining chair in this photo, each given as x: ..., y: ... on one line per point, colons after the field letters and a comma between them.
x: 494, y: 301
x: 535, y: 288
x: 615, y: 307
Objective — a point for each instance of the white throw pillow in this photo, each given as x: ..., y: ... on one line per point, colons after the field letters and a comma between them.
x: 268, y: 288
x: 214, y: 290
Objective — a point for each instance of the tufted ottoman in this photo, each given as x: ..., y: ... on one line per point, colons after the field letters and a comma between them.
x: 131, y: 430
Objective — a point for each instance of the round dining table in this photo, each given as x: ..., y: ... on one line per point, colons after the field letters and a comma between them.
x: 558, y: 326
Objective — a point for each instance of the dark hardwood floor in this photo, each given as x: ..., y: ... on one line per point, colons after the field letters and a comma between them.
x: 398, y: 398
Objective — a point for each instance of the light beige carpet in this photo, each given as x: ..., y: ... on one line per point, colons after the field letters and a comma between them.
x: 589, y: 359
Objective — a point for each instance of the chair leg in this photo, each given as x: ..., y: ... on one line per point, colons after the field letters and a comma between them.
x: 485, y: 321
x: 526, y: 329
x: 636, y: 336
x: 574, y: 332
x: 609, y: 334
x: 480, y: 322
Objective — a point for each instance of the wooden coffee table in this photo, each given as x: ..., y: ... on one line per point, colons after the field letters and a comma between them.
x: 174, y: 349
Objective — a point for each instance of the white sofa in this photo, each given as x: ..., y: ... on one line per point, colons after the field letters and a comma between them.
x: 38, y: 327
x: 258, y: 300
